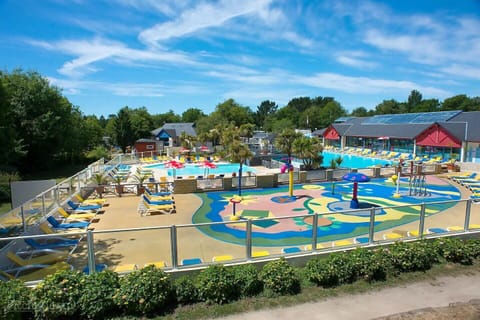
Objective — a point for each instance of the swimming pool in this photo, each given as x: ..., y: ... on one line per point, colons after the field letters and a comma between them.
x: 351, y: 160
x: 199, y: 170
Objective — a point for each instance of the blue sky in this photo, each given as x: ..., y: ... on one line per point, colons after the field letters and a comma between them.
x: 174, y: 55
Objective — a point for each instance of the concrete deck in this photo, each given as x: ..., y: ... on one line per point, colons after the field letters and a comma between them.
x: 141, y: 247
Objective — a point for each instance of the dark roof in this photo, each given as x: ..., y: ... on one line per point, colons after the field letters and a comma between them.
x: 341, y: 128
x: 456, y: 125
x: 176, y: 129
x: 319, y: 132
x: 402, y: 131
x: 471, y: 119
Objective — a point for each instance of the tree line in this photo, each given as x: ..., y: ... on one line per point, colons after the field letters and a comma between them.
x: 42, y: 129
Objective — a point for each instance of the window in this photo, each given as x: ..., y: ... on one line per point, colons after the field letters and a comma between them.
x: 150, y: 146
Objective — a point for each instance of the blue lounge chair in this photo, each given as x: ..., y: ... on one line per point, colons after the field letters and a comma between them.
x: 192, y: 261
x: 58, y: 225
x: 157, y: 202
x: 361, y: 240
x: 55, y: 243
x: 76, y: 206
x: 291, y: 250
x: 437, y: 230
x: 161, y: 194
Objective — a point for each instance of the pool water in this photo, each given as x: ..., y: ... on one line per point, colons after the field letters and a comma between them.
x: 351, y: 160
x: 199, y: 170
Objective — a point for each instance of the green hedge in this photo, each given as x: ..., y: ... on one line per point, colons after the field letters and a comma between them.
x: 151, y: 291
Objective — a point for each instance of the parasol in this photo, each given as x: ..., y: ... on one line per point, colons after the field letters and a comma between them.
x: 355, y: 177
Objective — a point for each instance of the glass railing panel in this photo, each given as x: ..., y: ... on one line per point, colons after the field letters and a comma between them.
x: 218, y: 242
x: 445, y: 216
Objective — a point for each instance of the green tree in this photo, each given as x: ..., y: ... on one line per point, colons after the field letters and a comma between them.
x: 284, y: 142
x: 359, y: 112
x: 92, y: 132
x: 40, y: 118
x: 246, y: 131
x: 239, y: 153
x: 124, y: 135
x: 192, y: 115
x: 265, y: 110
x: 142, y: 123
x: 231, y: 112
x: 309, y: 150
x: 414, y: 100
x: 388, y: 107
x: 169, y: 117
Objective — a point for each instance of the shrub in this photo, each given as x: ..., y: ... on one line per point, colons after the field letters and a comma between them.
x: 279, y: 278
x: 456, y: 250
x: 58, y: 295
x: 98, y: 290
x: 413, y: 256
x: 474, y: 245
x: 216, y: 284
x: 146, y: 291
x: 322, y: 273
x: 369, y: 265
x: 186, y: 292
x: 14, y: 300
x: 247, y: 280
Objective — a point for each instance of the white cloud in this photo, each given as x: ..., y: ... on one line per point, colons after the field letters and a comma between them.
x: 364, y: 85
x: 355, y: 59
x: 463, y: 71
x: 203, y: 16
x: 126, y: 89
x: 97, y: 50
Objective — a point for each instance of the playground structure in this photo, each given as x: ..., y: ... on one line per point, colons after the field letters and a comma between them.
x: 417, y: 182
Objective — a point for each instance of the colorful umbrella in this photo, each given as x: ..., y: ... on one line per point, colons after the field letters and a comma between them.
x: 174, y: 164
x: 204, y: 149
x: 355, y: 177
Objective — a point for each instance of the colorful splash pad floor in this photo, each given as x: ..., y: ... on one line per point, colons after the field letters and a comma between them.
x: 327, y: 199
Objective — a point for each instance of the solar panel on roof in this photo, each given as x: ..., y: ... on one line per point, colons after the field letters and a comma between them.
x: 424, y: 117
x: 428, y: 117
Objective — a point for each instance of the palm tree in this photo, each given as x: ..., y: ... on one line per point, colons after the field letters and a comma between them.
x: 309, y: 150
x: 284, y: 143
x: 239, y: 153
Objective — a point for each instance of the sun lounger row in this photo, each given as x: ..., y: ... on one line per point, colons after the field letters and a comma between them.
x: 156, y: 203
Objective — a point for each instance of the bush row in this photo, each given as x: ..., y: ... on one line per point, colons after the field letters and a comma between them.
x: 151, y: 291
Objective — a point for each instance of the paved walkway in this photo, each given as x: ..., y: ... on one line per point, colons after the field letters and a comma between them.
x: 439, y: 292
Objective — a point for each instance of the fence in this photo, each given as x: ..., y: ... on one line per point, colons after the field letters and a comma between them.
x: 20, y: 219
x: 178, y: 245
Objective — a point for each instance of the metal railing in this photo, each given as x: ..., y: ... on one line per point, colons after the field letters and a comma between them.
x: 21, y: 218
x: 177, y: 242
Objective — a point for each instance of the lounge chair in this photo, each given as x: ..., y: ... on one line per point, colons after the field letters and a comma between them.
x: 259, y: 254
x: 437, y: 230
x: 45, y: 227
x: 361, y: 240
x: 157, y: 202
x: 76, y: 216
x: 158, y: 198
x: 58, y: 225
x: 342, y: 243
x: 223, y: 258
x: 125, y: 268
x: 90, y: 201
x: 308, y: 247
x: 392, y: 236
x: 34, y: 272
x: 158, y: 194
x: 76, y: 206
x: 156, y: 264
x: 154, y: 209
x: 291, y: 250
x: 42, y: 256
x: 52, y: 243
x: 191, y: 261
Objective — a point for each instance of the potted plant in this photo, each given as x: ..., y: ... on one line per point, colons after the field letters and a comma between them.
x: 119, y: 186
x: 100, y: 180
x: 140, y: 178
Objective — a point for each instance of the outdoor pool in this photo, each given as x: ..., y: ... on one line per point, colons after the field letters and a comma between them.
x: 351, y: 160
x: 200, y: 170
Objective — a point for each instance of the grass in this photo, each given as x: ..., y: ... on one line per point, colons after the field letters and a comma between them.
x: 312, y: 293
